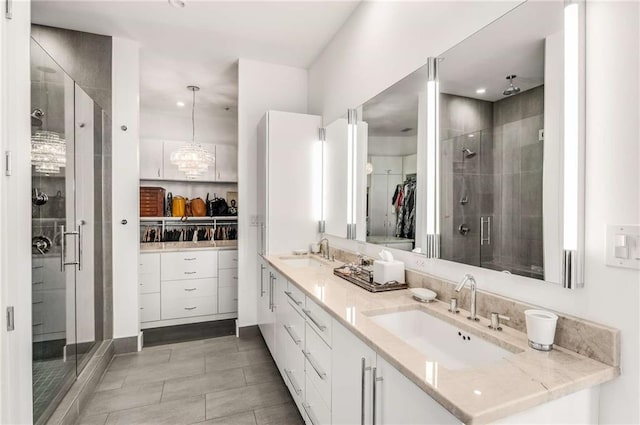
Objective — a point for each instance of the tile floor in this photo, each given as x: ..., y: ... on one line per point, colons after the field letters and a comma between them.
x: 223, y: 380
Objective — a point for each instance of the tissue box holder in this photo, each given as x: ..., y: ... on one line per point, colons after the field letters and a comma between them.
x: 387, y: 271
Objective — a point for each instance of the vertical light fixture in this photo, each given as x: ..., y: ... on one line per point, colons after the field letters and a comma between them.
x: 319, y: 162
x: 352, y: 144
x: 193, y: 159
x: 432, y: 249
x: 573, y: 149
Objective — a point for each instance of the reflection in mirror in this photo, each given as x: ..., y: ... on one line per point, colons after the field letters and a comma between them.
x: 501, y: 140
x: 391, y: 169
x: 335, y: 178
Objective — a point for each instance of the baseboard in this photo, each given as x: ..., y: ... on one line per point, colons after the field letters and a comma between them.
x: 188, y: 332
x: 128, y: 344
x: 248, y: 331
x: 76, y: 399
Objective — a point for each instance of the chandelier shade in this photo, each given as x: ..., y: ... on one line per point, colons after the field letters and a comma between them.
x: 193, y: 159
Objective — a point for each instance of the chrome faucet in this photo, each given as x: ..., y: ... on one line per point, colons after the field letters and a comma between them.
x: 325, y: 253
x: 472, y: 286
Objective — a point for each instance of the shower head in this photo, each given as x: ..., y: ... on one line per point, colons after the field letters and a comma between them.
x: 468, y: 153
x: 36, y: 117
x: 511, y: 90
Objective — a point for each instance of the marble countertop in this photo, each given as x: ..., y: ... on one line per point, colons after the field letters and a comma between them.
x: 479, y: 395
x: 149, y: 247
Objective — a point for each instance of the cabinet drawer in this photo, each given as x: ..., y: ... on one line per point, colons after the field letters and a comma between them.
x: 319, y: 320
x: 295, y: 297
x: 293, y: 327
x: 149, y: 307
x: 46, y: 274
x: 189, y: 265
x: 317, y: 412
x: 292, y: 369
x: 149, y: 263
x: 149, y: 283
x: 228, y: 277
x: 228, y: 259
x: 189, y: 288
x: 175, y: 308
x: 318, y: 364
x: 227, y: 299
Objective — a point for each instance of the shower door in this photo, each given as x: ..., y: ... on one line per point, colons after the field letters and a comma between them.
x: 63, y: 313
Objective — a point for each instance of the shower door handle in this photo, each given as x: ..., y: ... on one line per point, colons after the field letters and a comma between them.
x: 485, y: 236
x: 63, y: 236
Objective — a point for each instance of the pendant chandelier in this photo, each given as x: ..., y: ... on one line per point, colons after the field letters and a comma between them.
x: 193, y: 159
x: 48, y: 152
x: 48, y: 148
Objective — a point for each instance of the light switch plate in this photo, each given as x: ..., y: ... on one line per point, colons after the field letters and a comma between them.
x: 623, y: 246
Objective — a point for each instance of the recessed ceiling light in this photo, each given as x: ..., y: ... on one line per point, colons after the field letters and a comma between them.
x: 178, y: 3
x: 472, y: 135
x: 180, y: 104
x: 481, y: 90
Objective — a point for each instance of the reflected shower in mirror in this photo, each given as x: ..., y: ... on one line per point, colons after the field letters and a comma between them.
x: 391, y: 169
x: 500, y: 144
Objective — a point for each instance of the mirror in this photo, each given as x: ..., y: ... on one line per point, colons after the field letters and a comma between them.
x: 498, y: 182
x: 500, y: 146
x: 388, y: 130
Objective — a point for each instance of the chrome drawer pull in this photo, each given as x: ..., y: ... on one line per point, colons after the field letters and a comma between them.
x: 312, y: 417
x: 190, y: 259
x: 235, y: 278
x: 314, y: 320
x: 315, y: 367
x: 190, y: 289
x: 190, y: 308
x: 292, y: 334
x: 297, y: 389
x: 290, y: 295
x: 38, y: 283
x: 190, y: 272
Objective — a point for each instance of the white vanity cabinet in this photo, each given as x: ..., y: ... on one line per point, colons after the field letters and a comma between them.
x: 270, y: 281
x: 351, y: 361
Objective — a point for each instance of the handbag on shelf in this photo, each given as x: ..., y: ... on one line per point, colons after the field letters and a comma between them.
x: 178, y: 206
x: 219, y: 207
x: 198, y: 207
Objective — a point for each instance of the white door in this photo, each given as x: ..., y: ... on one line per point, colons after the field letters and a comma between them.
x: 351, y: 359
x: 150, y: 159
x: 226, y: 163
x: 400, y: 401
x: 378, y: 201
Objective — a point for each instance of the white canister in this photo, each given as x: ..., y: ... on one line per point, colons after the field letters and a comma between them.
x: 541, y: 329
x: 314, y: 248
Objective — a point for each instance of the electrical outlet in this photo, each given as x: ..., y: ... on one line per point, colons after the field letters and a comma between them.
x: 255, y: 220
x: 420, y: 262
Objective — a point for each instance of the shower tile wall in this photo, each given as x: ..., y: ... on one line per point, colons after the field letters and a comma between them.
x: 465, y: 123
x: 503, y: 181
x: 517, y: 121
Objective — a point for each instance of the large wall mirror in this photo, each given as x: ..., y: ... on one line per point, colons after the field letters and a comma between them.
x: 481, y: 152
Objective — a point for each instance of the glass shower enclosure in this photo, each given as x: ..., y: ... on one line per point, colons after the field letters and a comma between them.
x: 67, y: 131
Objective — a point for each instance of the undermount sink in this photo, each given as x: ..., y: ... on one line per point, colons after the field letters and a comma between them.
x: 444, y: 343
x: 302, y: 262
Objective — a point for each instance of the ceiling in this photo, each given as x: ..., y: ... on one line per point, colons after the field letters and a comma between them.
x: 510, y: 45
x: 201, y: 43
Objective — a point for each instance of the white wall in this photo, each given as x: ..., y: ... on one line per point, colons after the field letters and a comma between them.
x: 15, y: 217
x: 216, y: 129
x: 125, y: 181
x: 611, y: 296
x: 261, y: 87
x: 383, y: 42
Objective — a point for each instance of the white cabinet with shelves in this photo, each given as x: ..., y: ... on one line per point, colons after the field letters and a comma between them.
x: 155, y: 162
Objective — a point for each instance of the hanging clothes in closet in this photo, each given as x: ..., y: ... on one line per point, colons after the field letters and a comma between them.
x: 405, y: 202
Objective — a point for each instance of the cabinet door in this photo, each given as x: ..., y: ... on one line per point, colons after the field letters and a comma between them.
x: 351, y: 363
x: 378, y: 205
x: 400, y: 401
x: 150, y: 159
x: 226, y: 163
x: 263, y: 295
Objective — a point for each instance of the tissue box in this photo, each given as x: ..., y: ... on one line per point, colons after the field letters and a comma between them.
x: 386, y: 271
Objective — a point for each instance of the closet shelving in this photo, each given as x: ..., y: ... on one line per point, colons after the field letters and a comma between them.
x: 177, y: 222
